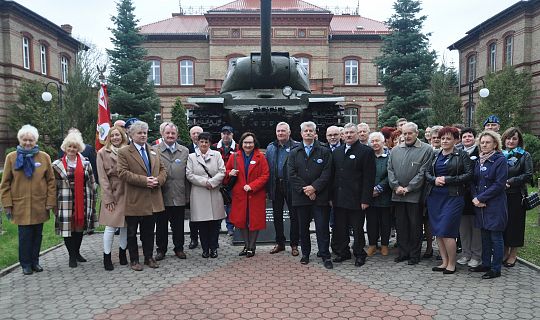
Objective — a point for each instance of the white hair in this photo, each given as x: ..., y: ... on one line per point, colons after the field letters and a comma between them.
x: 376, y: 135
x: 138, y: 126
x: 363, y: 124
x: 73, y: 138
x: 28, y: 129
x: 411, y: 125
x: 310, y: 124
x: 283, y: 123
x: 350, y: 125
x: 167, y: 124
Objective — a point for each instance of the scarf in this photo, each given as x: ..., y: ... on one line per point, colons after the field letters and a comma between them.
x: 78, y: 214
x: 25, y: 160
x: 485, y: 156
x: 470, y: 149
x: 513, y: 155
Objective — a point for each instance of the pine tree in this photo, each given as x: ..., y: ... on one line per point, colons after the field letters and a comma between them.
x: 130, y: 94
x: 178, y: 117
x: 444, y: 98
x: 408, y: 65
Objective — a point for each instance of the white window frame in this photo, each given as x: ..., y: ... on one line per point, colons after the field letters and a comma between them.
x: 64, y: 68
x: 154, y: 75
x: 26, y: 52
x: 492, y: 50
x: 508, y: 47
x: 471, y: 68
x: 351, y: 72
x: 186, y: 72
x: 304, y: 61
x: 349, y: 116
x: 43, y: 58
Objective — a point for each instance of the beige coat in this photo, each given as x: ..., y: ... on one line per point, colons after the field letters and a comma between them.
x: 28, y: 197
x: 140, y: 200
x: 176, y: 188
x: 206, y: 205
x: 112, y: 189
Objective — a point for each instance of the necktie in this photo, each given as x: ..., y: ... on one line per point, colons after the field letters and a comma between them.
x: 146, y: 162
x: 308, y: 150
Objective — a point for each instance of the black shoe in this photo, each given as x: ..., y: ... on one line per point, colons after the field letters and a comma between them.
x: 243, y: 252
x: 37, y: 268
x: 122, y: 256
x: 479, y: 268
x: 72, y: 262
x: 27, y: 271
x: 160, y: 256
x: 304, y: 260
x: 80, y: 258
x: 107, y: 262
x: 341, y: 258
x: 193, y: 244
x: 250, y: 253
x: 213, y: 253
x: 491, y: 274
x: 446, y: 271
x: 360, y: 261
x: 508, y: 264
x: 438, y: 269
x: 413, y: 261
x: 205, y: 254
x: 400, y: 259
x: 328, y: 264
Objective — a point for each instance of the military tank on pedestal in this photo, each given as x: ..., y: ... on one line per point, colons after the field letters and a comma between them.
x: 262, y: 90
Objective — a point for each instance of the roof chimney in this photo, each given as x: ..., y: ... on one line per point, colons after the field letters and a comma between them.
x: 67, y: 28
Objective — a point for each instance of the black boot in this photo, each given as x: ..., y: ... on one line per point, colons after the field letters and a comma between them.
x: 107, y: 262
x: 122, y: 256
x: 68, y: 241
x: 77, y: 243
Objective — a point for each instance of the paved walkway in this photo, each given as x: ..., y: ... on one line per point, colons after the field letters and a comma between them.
x: 263, y: 287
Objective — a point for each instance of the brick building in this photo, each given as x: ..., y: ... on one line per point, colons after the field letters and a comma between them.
x: 511, y: 37
x: 33, y: 48
x: 190, y: 54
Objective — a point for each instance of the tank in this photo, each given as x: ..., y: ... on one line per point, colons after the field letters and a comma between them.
x: 262, y: 90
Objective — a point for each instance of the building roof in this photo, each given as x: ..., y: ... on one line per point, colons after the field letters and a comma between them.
x: 9, y: 5
x: 353, y: 24
x: 277, y: 6
x: 179, y: 25
x: 515, y: 9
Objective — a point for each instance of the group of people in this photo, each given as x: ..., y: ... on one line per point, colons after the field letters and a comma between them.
x: 455, y: 185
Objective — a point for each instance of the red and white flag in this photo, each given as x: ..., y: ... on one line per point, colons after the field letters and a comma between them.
x: 104, y: 117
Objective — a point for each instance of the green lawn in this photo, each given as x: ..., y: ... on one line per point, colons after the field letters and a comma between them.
x: 531, y: 251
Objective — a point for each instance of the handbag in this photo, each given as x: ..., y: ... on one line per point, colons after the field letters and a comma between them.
x: 531, y: 201
x: 227, y: 199
x: 232, y: 180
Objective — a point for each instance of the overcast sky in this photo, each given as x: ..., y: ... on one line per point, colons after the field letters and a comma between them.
x: 447, y: 20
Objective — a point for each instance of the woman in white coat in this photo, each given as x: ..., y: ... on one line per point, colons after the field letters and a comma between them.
x: 205, y: 170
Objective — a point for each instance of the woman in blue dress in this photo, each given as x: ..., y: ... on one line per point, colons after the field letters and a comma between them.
x: 450, y: 171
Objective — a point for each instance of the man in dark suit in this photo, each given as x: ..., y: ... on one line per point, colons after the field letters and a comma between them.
x: 310, y: 172
x: 354, y: 178
x: 193, y: 231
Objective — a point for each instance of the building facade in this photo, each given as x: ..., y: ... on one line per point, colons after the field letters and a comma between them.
x: 190, y: 54
x: 511, y: 37
x: 31, y: 48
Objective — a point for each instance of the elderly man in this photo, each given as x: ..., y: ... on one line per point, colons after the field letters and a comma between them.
x: 492, y: 123
x: 406, y: 167
x: 400, y: 122
x: 354, y: 179
x: 277, y: 153
x: 363, y: 133
x: 333, y: 136
x: 310, y: 171
x: 175, y: 192
x: 193, y: 231
x: 143, y: 174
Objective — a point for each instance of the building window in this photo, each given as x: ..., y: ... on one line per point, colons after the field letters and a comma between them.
x: 155, y: 72
x: 380, y: 73
x: 351, y: 72
x: 508, y: 46
x: 471, y: 68
x: 351, y: 115
x: 304, y: 62
x: 64, y: 65
x: 492, y: 57
x: 43, y: 58
x: 186, y: 73
x: 26, y: 52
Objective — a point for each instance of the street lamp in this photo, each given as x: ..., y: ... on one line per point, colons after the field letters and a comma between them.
x: 484, y: 92
x: 47, y: 96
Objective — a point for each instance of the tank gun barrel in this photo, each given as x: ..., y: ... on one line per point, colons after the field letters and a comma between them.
x: 266, y: 38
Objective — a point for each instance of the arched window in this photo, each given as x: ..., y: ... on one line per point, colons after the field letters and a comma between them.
x: 155, y: 72
x: 64, y: 68
x: 471, y: 68
x: 351, y: 72
x: 492, y: 57
x: 26, y: 52
x: 351, y: 115
x: 43, y: 58
x: 508, y: 50
x: 186, y: 73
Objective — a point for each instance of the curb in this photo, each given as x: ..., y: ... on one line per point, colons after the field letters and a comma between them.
x: 9, y: 269
x: 529, y: 264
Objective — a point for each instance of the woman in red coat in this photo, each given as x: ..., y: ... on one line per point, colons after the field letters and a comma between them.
x: 248, y: 211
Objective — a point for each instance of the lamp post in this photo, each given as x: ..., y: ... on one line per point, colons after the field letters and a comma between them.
x: 47, y: 96
x: 484, y: 92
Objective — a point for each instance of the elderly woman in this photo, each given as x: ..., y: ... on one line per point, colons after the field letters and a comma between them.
x: 489, y: 199
x: 111, y: 214
x: 520, y: 170
x: 378, y: 214
x: 248, y: 212
x: 206, y: 170
x: 28, y: 192
x: 76, y: 201
x: 449, y: 173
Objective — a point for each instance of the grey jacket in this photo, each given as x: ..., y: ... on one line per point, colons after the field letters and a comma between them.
x: 406, y: 168
x: 176, y: 188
